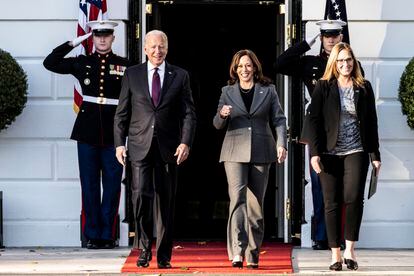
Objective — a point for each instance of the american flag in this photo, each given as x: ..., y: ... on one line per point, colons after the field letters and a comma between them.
x: 334, y: 10
x: 89, y: 10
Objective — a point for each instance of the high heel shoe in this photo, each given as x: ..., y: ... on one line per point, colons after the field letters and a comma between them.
x: 351, y: 264
x: 252, y: 266
x: 336, y: 266
x: 237, y: 264
x: 237, y: 261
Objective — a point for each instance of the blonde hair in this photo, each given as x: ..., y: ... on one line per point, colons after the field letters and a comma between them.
x: 331, y: 70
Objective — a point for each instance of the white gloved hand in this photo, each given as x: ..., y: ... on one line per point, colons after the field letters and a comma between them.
x: 312, y: 40
x: 79, y: 39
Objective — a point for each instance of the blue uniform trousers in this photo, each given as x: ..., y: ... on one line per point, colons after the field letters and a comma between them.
x: 99, y: 210
x: 318, y: 219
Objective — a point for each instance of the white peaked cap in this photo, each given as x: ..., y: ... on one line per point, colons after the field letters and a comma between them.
x: 331, y: 26
x: 102, y: 26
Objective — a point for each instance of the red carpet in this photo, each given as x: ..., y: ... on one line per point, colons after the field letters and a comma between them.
x: 211, y: 257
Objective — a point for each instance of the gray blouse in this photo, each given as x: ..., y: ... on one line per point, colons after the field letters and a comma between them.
x: 349, y: 139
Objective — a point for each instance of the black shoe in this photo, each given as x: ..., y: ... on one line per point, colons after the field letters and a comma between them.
x: 238, y: 264
x: 144, y: 258
x: 107, y: 244
x: 320, y: 245
x: 351, y: 264
x: 336, y: 266
x: 93, y: 244
x: 164, y: 264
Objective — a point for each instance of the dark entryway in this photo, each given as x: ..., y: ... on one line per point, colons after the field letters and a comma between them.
x: 203, y: 36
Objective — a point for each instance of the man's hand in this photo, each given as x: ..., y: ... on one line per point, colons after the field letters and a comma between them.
x: 312, y: 40
x: 281, y: 154
x: 121, y: 155
x: 79, y: 40
x: 182, y: 153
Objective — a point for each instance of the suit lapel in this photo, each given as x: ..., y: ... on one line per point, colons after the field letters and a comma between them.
x: 258, y: 97
x: 237, y: 99
x: 141, y: 78
x: 169, y: 76
x: 356, y: 96
x: 334, y: 93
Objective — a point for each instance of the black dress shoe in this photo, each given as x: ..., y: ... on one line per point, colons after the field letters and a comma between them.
x: 238, y: 264
x: 336, y: 266
x: 351, y: 264
x: 107, y: 244
x: 144, y: 258
x: 93, y: 244
x: 164, y: 264
x: 320, y: 245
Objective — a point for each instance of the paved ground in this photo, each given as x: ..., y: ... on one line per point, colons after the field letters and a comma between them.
x: 77, y: 261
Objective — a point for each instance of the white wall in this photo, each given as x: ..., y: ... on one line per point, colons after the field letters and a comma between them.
x: 38, y: 163
x: 381, y: 36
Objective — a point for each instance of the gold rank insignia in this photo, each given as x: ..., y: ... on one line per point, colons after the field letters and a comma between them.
x: 87, y: 81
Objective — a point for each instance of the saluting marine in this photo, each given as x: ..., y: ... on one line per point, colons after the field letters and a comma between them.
x: 100, y: 75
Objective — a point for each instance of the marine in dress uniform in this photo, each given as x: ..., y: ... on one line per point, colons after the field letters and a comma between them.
x: 310, y: 69
x: 99, y: 75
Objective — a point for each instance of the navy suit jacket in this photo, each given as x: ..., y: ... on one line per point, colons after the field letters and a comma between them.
x: 136, y: 117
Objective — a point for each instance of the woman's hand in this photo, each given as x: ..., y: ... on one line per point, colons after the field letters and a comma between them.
x: 377, y: 166
x: 316, y: 164
x: 225, y: 111
x: 281, y: 154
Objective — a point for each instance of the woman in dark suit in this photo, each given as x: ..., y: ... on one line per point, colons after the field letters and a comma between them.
x: 343, y: 138
x: 247, y: 105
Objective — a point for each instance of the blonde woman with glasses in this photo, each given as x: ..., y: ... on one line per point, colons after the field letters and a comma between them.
x: 343, y: 140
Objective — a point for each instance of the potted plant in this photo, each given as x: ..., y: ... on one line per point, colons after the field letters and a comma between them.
x: 13, y: 89
x: 406, y: 93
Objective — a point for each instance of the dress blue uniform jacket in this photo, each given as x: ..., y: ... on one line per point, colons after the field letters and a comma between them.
x: 99, y: 76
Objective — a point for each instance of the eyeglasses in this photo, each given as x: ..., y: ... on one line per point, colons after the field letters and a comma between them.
x: 347, y: 60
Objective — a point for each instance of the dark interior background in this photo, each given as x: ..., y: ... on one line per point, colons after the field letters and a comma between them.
x: 203, y: 39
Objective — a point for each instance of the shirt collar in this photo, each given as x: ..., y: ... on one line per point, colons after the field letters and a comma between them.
x: 150, y: 66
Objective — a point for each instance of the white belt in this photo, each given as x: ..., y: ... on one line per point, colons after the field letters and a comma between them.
x: 100, y: 100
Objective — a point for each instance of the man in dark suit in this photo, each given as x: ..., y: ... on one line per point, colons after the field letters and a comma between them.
x: 100, y: 75
x: 156, y: 112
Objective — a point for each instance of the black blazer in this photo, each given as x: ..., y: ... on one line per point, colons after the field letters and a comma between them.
x: 137, y: 118
x: 324, y: 114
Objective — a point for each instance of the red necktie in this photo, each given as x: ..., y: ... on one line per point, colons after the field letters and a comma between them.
x: 156, y: 87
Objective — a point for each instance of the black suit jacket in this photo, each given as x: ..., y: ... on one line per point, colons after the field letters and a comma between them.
x: 324, y: 115
x: 137, y: 118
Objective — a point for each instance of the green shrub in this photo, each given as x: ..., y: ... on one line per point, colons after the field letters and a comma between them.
x: 406, y: 93
x: 13, y: 89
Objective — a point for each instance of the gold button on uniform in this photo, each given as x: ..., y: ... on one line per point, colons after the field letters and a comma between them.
x: 101, y: 88
x: 102, y: 73
x: 102, y: 67
x: 102, y: 80
x: 103, y: 61
x: 101, y: 94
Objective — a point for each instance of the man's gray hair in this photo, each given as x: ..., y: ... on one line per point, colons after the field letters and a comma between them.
x: 157, y: 33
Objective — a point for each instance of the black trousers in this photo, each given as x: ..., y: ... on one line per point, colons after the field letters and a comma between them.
x: 153, y: 196
x: 343, y: 182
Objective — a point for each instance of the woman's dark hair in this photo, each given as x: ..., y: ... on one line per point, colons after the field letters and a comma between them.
x: 258, y: 73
